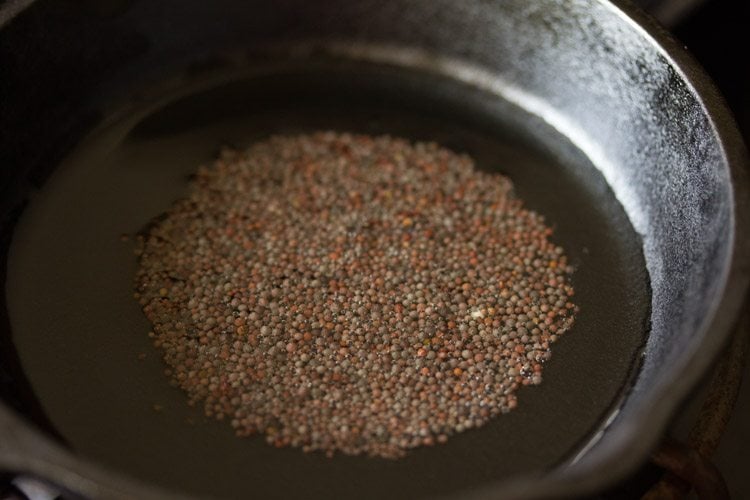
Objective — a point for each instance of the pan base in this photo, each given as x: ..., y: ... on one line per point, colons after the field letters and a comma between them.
x: 82, y: 341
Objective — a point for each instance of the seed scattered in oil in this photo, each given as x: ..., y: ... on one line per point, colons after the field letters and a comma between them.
x: 355, y: 294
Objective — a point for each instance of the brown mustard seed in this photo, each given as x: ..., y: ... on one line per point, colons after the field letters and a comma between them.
x: 349, y: 293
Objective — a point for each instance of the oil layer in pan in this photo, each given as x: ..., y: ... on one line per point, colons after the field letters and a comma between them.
x: 80, y: 335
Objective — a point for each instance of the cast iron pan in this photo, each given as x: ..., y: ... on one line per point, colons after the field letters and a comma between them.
x: 110, y: 107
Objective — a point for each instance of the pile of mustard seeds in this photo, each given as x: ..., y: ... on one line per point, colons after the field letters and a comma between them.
x: 350, y: 293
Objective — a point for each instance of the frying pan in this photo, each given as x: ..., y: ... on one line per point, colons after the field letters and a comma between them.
x: 603, y: 122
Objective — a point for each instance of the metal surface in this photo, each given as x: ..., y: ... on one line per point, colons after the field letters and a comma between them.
x: 68, y: 239
x: 641, y: 112
x: 688, y: 465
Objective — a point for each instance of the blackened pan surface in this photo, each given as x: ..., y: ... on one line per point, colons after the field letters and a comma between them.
x: 79, y: 332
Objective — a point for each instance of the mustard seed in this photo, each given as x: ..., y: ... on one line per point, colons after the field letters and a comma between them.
x: 354, y: 294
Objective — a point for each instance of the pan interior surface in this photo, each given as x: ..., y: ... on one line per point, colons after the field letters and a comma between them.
x: 80, y: 335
